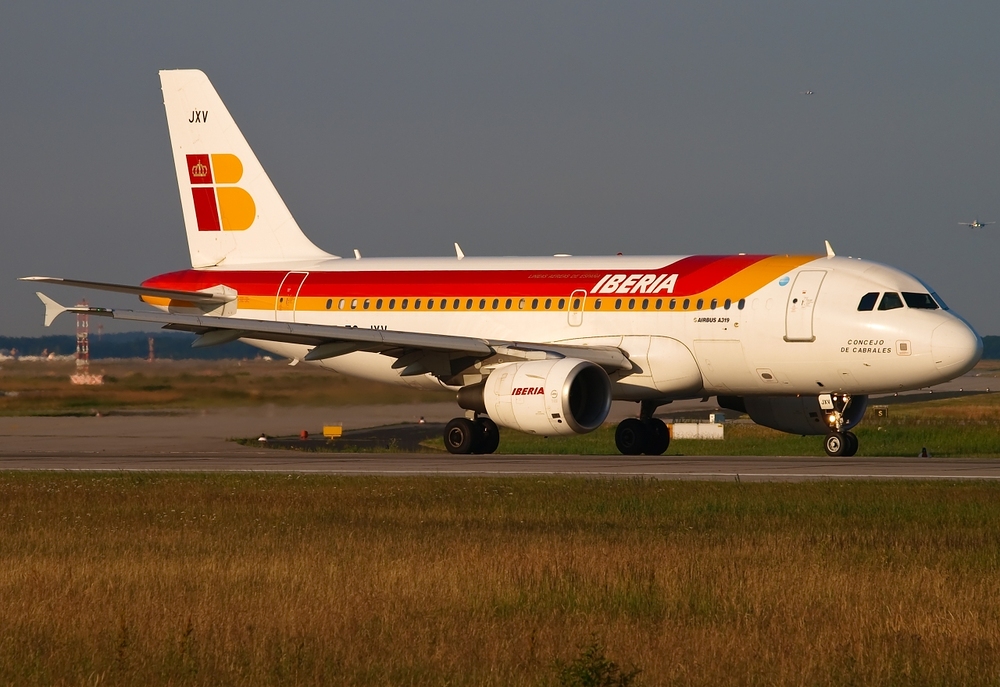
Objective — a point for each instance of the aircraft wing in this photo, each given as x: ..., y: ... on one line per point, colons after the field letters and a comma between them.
x: 222, y: 296
x: 416, y: 352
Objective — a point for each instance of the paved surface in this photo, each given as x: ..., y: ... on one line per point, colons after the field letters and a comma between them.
x: 670, y: 467
x: 199, y: 441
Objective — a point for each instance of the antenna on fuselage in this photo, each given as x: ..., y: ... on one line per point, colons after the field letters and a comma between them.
x: 458, y: 252
x: 829, y: 250
x: 357, y: 254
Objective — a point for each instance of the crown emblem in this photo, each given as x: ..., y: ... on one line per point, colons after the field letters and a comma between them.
x: 199, y: 170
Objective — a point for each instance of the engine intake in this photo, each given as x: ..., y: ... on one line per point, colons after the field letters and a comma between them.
x: 548, y: 397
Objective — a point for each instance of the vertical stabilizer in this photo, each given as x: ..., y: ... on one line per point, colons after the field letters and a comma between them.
x: 232, y: 212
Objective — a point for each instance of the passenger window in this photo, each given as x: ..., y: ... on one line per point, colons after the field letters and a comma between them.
x: 534, y: 304
x: 508, y: 304
x: 645, y: 303
x: 890, y: 301
x: 673, y: 303
x: 430, y: 304
x: 482, y: 304
x: 701, y: 303
x: 354, y: 304
x: 562, y: 303
x: 416, y: 304
x: 368, y: 302
x: 548, y: 303
x: 329, y: 303
x: 922, y: 301
x: 576, y: 303
x: 496, y: 303
x: 340, y: 305
x: 659, y: 303
x: 714, y: 303
x: 468, y: 305
x: 406, y: 302
x: 520, y: 304
x: 618, y: 304
x: 392, y: 304
x: 868, y: 301
x: 597, y: 304
x: 378, y: 304
x: 741, y: 304
x: 727, y: 304
x: 455, y: 305
x: 631, y: 304
x: 687, y: 303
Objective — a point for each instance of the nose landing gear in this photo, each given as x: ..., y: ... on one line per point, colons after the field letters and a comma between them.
x: 839, y: 442
x: 844, y: 444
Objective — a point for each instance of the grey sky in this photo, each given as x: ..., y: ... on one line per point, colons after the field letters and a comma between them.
x: 515, y: 129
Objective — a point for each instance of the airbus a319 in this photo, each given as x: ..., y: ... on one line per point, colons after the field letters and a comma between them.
x: 538, y: 344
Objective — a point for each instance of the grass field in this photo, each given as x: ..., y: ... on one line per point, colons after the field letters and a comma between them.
x: 146, y: 579
x: 43, y: 388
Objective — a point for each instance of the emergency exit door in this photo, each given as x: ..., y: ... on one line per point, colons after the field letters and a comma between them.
x: 801, y: 304
x: 288, y: 293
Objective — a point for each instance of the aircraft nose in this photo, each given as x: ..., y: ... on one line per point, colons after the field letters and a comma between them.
x: 956, y: 347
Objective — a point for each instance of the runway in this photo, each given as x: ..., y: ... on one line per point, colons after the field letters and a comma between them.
x: 200, y: 442
x: 744, y: 468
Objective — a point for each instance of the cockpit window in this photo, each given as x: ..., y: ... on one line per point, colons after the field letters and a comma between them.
x: 919, y: 300
x: 890, y: 301
x: 868, y: 301
x: 939, y: 301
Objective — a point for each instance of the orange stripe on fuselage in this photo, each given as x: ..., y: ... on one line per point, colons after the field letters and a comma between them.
x: 706, y: 277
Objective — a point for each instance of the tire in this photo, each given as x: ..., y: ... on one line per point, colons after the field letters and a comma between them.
x: 658, y: 437
x: 835, y: 444
x: 852, y: 444
x: 631, y: 437
x: 460, y: 436
x: 489, y: 438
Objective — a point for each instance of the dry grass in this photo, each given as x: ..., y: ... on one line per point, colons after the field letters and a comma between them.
x: 152, y: 579
x: 42, y: 388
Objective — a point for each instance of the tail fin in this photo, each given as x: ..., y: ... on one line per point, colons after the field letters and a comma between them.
x: 232, y: 212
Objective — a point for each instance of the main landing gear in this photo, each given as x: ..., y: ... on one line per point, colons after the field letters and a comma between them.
x: 464, y: 436
x: 839, y: 442
x: 644, y: 434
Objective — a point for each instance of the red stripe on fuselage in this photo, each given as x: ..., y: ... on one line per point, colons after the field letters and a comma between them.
x: 696, y: 274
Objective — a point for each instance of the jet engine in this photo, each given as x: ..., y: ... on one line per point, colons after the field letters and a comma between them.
x: 548, y: 397
x: 794, y: 414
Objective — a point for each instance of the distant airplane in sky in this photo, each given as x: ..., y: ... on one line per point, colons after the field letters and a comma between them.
x: 807, y: 92
x: 975, y: 224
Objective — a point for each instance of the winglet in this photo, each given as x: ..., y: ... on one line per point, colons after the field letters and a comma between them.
x: 458, y: 252
x: 52, y: 309
x: 829, y: 250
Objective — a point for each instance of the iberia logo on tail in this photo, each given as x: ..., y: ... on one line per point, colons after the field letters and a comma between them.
x: 218, y: 204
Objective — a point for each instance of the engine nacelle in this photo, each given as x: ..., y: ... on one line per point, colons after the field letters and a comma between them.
x: 794, y: 414
x: 548, y: 397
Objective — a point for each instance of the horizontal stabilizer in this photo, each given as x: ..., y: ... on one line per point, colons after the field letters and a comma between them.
x: 192, y: 296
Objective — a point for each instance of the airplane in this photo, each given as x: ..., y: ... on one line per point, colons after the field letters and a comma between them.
x: 807, y: 92
x: 537, y: 344
x: 975, y: 224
